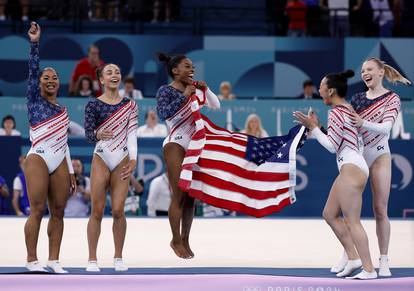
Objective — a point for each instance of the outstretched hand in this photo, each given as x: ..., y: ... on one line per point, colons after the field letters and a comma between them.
x: 305, y: 120
x: 128, y: 169
x: 34, y: 32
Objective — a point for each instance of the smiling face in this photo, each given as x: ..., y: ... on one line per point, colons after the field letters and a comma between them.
x: 111, y: 77
x: 184, y: 72
x: 324, y: 91
x: 372, y: 74
x: 49, y: 82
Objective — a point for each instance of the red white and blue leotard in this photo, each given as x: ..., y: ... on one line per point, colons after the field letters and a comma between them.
x: 122, y: 120
x: 49, y: 122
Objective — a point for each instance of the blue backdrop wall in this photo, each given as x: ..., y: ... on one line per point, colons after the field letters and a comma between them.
x: 316, y: 173
x: 256, y: 66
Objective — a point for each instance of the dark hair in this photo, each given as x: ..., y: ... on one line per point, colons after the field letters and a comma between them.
x: 339, y: 81
x: 307, y: 83
x: 129, y: 79
x: 48, y: 69
x: 100, y: 69
x: 80, y: 80
x: 171, y: 62
x: 8, y: 117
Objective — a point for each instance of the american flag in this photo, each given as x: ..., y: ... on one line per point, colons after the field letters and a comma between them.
x: 230, y: 170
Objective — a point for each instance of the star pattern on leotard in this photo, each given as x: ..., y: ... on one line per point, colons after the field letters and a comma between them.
x: 169, y: 101
x: 360, y: 101
x: 96, y: 112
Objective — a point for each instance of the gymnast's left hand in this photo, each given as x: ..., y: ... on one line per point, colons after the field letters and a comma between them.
x: 128, y: 169
x: 72, y: 184
x: 305, y: 120
x: 356, y: 120
x: 202, y: 85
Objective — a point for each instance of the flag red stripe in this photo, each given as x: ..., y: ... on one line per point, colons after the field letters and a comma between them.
x: 230, y: 186
x: 241, y: 172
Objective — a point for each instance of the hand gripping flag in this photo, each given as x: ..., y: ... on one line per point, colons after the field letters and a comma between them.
x: 238, y: 172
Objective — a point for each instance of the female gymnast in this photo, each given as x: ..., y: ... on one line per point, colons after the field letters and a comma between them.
x: 48, y: 162
x: 173, y: 106
x: 346, y: 193
x: 111, y: 122
x: 376, y: 111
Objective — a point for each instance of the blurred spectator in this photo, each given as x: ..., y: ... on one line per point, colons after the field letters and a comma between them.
x: 397, y: 9
x: 152, y: 128
x: 13, y: 6
x: 105, y: 9
x: 20, y: 200
x: 84, y: 87
x: 225, y: 91
x: 312, y: 17
x: 75, y: 129
x: 4, y: 193
x: 159, y: 196
x: 166, y: 6
x: 383, y: 16
x: 87, y: 66
x: 356, y: 17
x: 296, y: 12
x: 338, y: 16
x: 254, y: 127
x: 211, y: 211
x: 135, y: 191
x: 78, y: 203
x: 308, y: 91
x: 8, y: 126
x: 129, y: 90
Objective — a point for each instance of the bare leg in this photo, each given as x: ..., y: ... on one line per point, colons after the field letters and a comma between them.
x: 99, y: 180
x: 380, y: 173
x: 188, y: 215
x: 331, y: 214
x: 37, y: 182
x: 352, y: 185
x: 58, y: 195
x: 174, y: 156
x: 119, y: 192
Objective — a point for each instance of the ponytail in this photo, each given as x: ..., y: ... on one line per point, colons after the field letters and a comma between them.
x: 391, y: 74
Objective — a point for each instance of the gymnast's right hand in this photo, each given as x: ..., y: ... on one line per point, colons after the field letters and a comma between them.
x: 104, y: 134
x: 34, y: 32
x: 189, y: 90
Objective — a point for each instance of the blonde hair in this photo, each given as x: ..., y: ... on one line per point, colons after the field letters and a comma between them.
x: 247, y: 128
x: 391, y: 74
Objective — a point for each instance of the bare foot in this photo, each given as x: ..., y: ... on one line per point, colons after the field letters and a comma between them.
x: 179, y: 250
x: 188, y: 249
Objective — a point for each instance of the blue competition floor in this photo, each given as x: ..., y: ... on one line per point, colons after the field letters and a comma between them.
x: 296, y: 272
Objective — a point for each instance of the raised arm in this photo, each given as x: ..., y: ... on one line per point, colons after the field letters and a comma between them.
x: 33, y: 90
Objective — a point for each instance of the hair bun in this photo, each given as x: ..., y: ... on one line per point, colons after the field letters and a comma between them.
x: 163, y: 57
x: 347, y: 74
